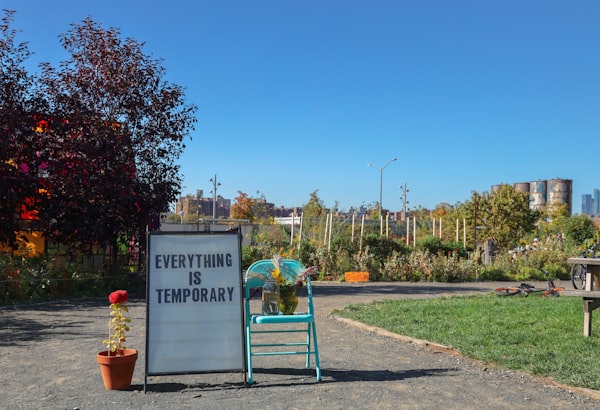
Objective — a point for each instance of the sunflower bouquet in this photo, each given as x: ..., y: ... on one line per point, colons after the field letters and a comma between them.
x: 288, y: 279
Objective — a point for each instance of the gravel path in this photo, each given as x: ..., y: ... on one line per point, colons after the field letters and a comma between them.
x: 47, y: 361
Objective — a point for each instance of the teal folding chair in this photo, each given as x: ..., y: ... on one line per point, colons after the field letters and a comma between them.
x: 255, y: 277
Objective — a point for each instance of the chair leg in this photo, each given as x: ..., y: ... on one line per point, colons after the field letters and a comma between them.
x: 312, y: 336
x: 308, y: 344
x: 249, y: 355
x: 316, y: 348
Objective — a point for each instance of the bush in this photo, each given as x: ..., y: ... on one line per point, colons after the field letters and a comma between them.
x: 493, y: 273
x: 431, y: 244
x: 398, y: 268
x: 420, y: 264
x: 30, y: 280
x: 451, y: 269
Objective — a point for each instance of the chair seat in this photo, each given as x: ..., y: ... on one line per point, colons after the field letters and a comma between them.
x: 296, y: 318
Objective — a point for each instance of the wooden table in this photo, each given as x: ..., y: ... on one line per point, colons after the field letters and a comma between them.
x: 591, y: 294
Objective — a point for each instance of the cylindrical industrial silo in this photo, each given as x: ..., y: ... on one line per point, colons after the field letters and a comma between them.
x: 537, y: 194
x: 521, y: 187
x: 496, y: 188
x: 560, y: 192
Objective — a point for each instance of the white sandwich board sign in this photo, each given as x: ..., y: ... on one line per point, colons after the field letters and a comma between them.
x: 194, y: 315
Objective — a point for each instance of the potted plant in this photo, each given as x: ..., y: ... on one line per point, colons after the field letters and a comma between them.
x: 117, y: 363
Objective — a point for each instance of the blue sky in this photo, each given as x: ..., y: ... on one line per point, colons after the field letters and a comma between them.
x: 297, y: 96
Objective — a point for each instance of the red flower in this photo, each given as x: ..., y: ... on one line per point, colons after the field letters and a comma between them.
x: 118, y: 296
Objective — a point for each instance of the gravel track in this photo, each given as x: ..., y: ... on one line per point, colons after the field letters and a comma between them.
x: 47, y: 361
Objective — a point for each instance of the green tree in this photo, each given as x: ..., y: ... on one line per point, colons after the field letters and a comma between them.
x: 260, y: 209
x: 576, y: 229
x: 423, y: 218
x: 315, y: 219
x: 314, y: 207
x: 506, y: 216
x: 373, y: 212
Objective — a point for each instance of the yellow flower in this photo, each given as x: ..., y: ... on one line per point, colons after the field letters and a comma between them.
x: 276, y: 274
x: 289, y: 278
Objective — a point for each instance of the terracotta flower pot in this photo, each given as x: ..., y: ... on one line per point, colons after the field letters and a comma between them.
x: 117, y: 371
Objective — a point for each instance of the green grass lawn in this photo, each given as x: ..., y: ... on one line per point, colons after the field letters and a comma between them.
x: 542, y: 336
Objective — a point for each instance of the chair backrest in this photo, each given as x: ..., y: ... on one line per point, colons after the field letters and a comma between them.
x: 261, y: 270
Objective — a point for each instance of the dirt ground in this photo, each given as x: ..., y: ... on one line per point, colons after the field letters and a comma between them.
x: 47, y: 361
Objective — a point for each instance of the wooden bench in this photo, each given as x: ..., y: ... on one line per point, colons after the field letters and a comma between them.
x: 591, y: 294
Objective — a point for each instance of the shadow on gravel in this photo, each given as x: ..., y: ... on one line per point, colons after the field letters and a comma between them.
x: 17, y: 332
x: 183, y: 387
x: 340, y: 375
x: 13, y: 332
x: 51, y: 321
x: 296, y: 377
x: 379, y: 375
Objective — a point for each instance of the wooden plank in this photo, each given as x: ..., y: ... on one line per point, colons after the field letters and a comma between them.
x: 589, y: 305
x: 592, y: 282
x: 582, y: 293
x: 584, y: 261
x: 591, y: 302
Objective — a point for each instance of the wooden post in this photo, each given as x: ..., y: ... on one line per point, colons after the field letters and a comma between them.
x: 592, y: 277
x: 326, y: 225
x: 292, y: 230
x: 362, y: 230
x: 456, y: 230
x: 330, y: 230
x: 300, y: 233
x: 387, y: 227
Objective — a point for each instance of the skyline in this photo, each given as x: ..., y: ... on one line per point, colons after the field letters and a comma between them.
x: 296, y: 97
x: 590, y: 199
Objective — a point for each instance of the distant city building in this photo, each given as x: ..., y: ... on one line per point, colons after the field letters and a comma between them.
x: 590, y: 205
x: 203, y: 206
x: 587, y: 204
x: 198, y: 206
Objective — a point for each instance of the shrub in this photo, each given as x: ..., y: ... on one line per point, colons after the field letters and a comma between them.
x: 27, y: 280
x: 493, y: 273
x: 398, y: 268
x: 451, y: 269
x: 431, y: 244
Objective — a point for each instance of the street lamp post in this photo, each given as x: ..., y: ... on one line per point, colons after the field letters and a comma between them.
x: 381, y: 191
x: 214, y: 192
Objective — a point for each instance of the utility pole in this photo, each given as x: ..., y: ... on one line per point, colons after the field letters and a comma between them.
x: 404, y: 190
x: 214, y: 192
